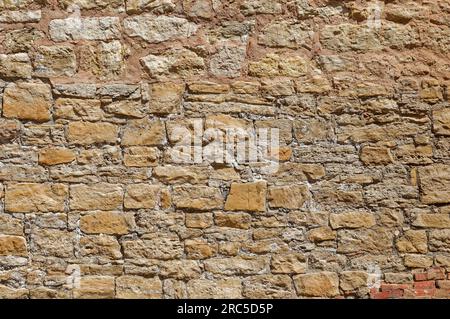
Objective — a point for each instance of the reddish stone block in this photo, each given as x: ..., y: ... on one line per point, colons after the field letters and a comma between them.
x: 430, y: 284
x: 420, y: 276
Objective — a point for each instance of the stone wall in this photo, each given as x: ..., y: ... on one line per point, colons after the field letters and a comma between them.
x: 94, y: 203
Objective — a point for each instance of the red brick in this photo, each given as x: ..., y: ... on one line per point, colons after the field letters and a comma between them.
x: 397, y: 293
x: 380, y: 295
x: 420, y: 276
x: 388, y: 287
x: 424, y: 292
x: 425, y: 284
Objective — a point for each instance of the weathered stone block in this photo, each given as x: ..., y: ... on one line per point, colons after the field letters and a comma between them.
x: 157, y: 6
x: 201, y: 198
x: 352, y: 280
x: 441, y: 121
x: 268, y: 287
x: 110, y: 223
x: 135, y: 287
x: 439, y: 240
x: 141, y: 196
x: 284, y: 34
x: 174, y: 63
x: 163, y: 247
x: 233, y: 220
x: 432, y: 221
x: 96, y: 196
x: 101, y: 246
x: 27, y: 101
x: 32, y: 197
x: 166, y: 97
x: 413, y: 241
x: 321, y: 234
x: 53, y: 61
x: 140, y: 156
x: 225, y: 288
x: 435, y: 184
x: 289, y: 197
x: 20, y: 16
x: 53, y: 242
x: 181, y: 174
x: 322, y: 284
x: 365, y: 240
x: 78, y: 109
x: 376, y: 155
x: 158, y: 29
x: 86, y: 133
x: 144, y: 132
x: 290, y: 263
x: 9, y: 130
x: 95, y: 287
x: 352, y: 220
x: 92, y: 28
x: 236, y: 265
x: 56, y: 155
x: 15, y: 65
x: 248, y: 197
x: 13, y: 246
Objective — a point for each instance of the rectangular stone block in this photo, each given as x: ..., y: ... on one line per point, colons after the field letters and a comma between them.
x: 162, y: 246
x: 86, y: 133
x: 110, y: 223
x: 32, y: 16
x: 237, y: 265
x: 441, y: 121
x: 27, y: 101
x: 141, y: 196
x: 95, y: 287
x: 13, y: 246
x: 32, y: 197
x: 92, y: 28
x: 435, y: 184
x: 135, y: 287
x: 15, y: 65
x: 321, y: 284
x: 201, y: 198
x: 52, y: 242
x: 229, y: 288
x: 96, y: 196
x: 247, y: 197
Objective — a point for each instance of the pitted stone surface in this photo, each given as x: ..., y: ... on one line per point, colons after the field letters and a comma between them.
x: 102, y: 100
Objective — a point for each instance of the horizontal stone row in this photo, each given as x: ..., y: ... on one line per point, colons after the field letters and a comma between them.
x: 46, y: 197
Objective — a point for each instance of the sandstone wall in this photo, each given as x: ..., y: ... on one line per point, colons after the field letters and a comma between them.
x: 94, y: 204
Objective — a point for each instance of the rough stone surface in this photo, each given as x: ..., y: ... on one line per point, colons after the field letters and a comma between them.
x: 110, y: 223
x: 27, y: 101
x: 158, y: 29
x: 32, y: 197
x: 250, y: 197
x: 13, y: 246
x: 323, y: 284
x: 135, y: 287
x: 86, y: 133
x: 52, y: 61
x: 77, y: 28
x: 15, y: 65
x: 224, y: 149
x: 435, y: 184
x: 96, y: 196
